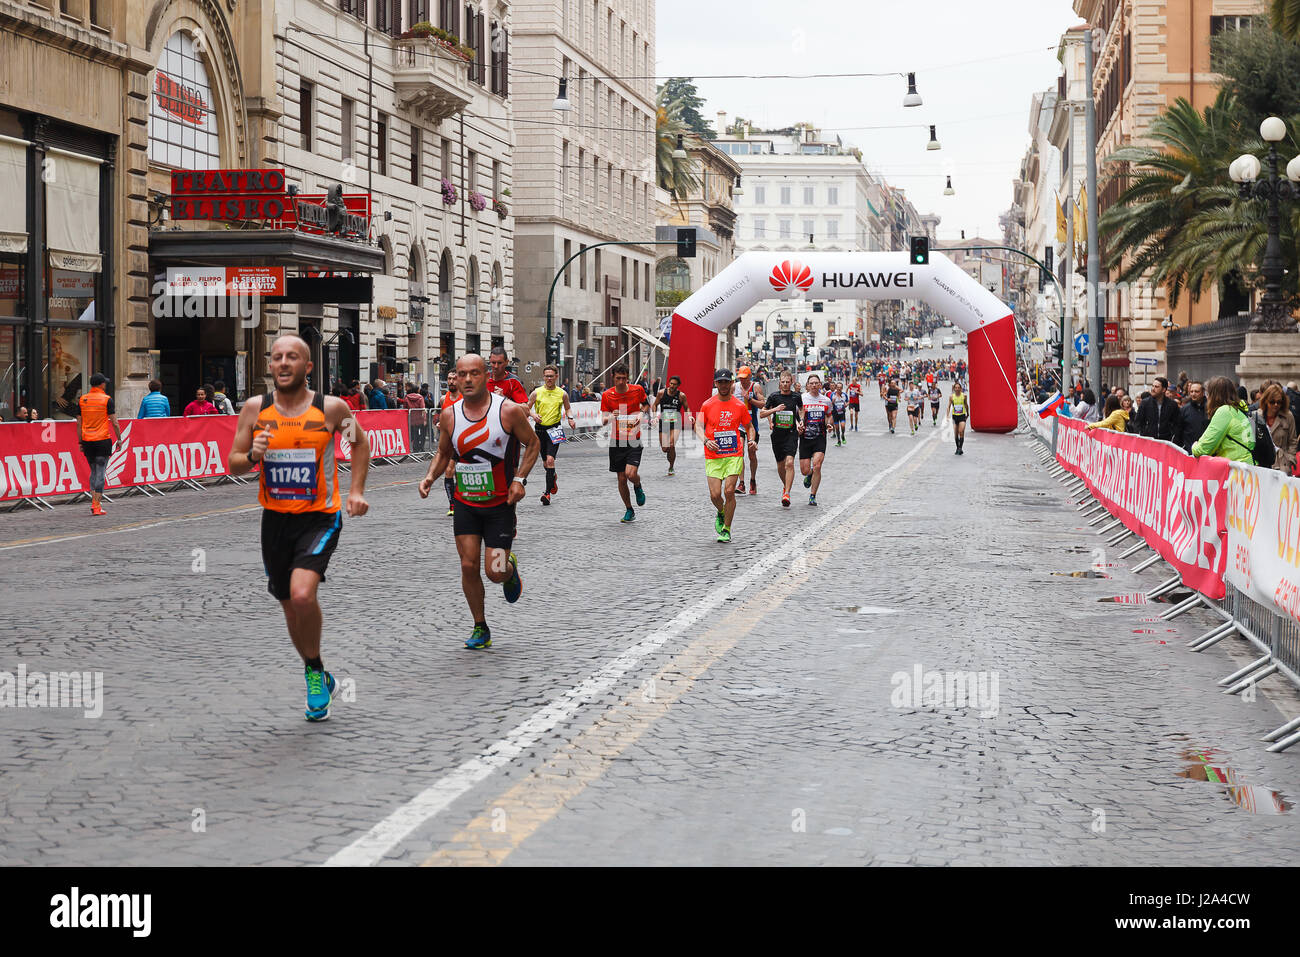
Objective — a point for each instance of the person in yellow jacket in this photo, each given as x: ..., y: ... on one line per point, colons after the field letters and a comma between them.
x: 1115, y: 416
x: 1231, y: 433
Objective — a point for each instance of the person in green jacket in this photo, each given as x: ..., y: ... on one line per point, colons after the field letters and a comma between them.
x: 1230, y: 434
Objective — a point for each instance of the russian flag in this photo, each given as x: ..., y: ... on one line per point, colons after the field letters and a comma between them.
x: 1053, y: 406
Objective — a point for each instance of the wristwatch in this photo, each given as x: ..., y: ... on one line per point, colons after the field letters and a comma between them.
x: 521, y: 480
x: 249, y: 453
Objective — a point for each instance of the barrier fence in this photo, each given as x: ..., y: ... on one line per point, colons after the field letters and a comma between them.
x: 42, y: 461
x: 1230, y: 533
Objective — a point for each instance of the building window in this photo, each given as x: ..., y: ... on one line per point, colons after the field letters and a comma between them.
x: 416, y: 135
x: 672, y: 275
x: 500, y: 59
x: 356, y: 8
x: 582, y: 266
x: 348, y: 125
x: 760, y: 229
x: 474, y: 30
x: 418, y: 11
x: 471, y: 173
x: 449, y: 16
x: 1221, y: 24
x: 388, y: 17
x: 582, y: 174
x: 568, y: 269
x: 784, y: 229
x: 833, y: 229
x: 832, y: 196
x: 622, y: 289
x: 381, y: 145
x: 596, y: 277
x: 809, y: 228
x: 785, y: 195
x: 760, y: 195
x: 636, y: 282
x: 564, y: 172
x: 808, y: 195
x: 182, y: 117
x: 445, y: 156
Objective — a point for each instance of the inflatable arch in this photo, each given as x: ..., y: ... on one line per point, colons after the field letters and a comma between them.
x: 986, y: 320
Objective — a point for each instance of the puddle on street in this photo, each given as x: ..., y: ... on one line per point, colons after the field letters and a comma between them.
x: 1200, y: 766
x: 866, y: 610
x: 1155, y: 631
x: 1089, y: 573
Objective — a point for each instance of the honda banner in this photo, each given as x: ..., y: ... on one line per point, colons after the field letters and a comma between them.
x: 1177, y: 503
x: 44, y: 458
x: 1264, y: 537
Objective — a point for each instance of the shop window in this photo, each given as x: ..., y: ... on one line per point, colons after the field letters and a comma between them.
x: 13, y: 371
x: 73, y: 358
x: 182, y: 111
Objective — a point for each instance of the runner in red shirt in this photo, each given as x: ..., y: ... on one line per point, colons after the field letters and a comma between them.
x: 622, y: 407
x: 450, y: 398
x: 855, y: 402
x: 502, y: 382
x: 724, y: 427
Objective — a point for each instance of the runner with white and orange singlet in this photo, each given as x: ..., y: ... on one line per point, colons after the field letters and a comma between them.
x: 482, y: 435
x: 751, y: 393
x: 722, y: 426
x: 546, y: 406
x: 673, y: 412
x: 450, y: 398
x: 812, y: 435
x: 290, y: 432
x: 622, y: 408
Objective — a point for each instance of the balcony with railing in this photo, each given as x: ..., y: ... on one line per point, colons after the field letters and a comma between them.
x: 431, y: 77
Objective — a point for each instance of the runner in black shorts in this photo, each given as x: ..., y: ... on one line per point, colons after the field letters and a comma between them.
x: 812, y: 436
x: 936, y: 396
x: 673, y: 410
x: 622, y: 408
x: 959, y: 406
x: 547, y: 405
x: 785, y: 409
x: 891, y: 403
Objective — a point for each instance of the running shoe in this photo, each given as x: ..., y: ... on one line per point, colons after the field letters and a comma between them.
x: 812, y: 499
x: 718, y: 523
x: 807, y: 480
x: 785, y: 500
x: 320, y: 692
x: 670, y: 470
x: 546, y: 499
x: 891, y: 431
x: 724, y: 535
x: 451, y: 510
x: 97, y: 510
x: 555, y: 488
x: 753, y: 487
x: 640, y: 495
x: 629, y: 516
x: 513, y: 586
x: 480, y: 638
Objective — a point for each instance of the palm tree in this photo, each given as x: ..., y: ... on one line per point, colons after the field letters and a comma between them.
x: 1178, y: 221
x: 1286, y: 18
x: 679, y: 176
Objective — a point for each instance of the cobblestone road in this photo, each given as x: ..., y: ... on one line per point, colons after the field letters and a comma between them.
x: 655, y: 697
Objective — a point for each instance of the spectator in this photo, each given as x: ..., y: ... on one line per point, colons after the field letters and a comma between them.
x: 1192, y: 418
x: 223, y: 404
x: 1230, y: 434
x: 1292, y: 396
x: 23, y: 415
x: 201, y: 405
x: 378, y: 399
x: 1254, y: 400
x: 155, y: 405
x: 1275, y: 411
x: 354, y: 398
x: 418, y: 417
x: 1086, y: 409
x: 1157, y: 416
x: 1115, y: 415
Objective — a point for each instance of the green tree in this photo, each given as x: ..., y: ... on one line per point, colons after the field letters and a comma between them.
x: 1286, y: 18
x: 681, y: 90
x: 679, y: 176
x: 1261, y: 70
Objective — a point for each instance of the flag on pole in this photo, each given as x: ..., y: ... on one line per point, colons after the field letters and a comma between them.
x: 1053, y: 406
x: 1061, y: 233
x: 1081, y: 216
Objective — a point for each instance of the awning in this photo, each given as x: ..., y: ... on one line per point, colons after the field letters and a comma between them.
x: 72, y: 212
x: 644, y: 334
x: 263, y: 247
x: 13, y: 184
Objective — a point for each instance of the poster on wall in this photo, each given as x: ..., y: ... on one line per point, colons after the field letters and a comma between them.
x: 69, y: 369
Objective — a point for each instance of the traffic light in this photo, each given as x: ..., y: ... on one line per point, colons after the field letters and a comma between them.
x: 553, y: 349
x: 686, y: 242
x: 920, y: 250
x: 1045, y: 275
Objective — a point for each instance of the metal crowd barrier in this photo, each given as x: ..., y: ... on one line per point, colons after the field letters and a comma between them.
x: 1274, y: 635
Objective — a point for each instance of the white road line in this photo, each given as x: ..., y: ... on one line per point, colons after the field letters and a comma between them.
x: 372, y: 846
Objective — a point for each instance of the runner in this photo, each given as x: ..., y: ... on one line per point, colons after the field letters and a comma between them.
x: 959, y: 406
x: 839, y: 407
x: 504, y: 382
x: 292, y: 429
x: 550, y: 401
x: 936, y: 396
x: 915, y: 403
x: 483, y: 434
x: 99, y: 433
x: 812, y: 435
x: 723, y: 419
x: 449, y: 477
x: 785, y: 409
x: 621, y: 407
x: 855, y: 402
x: 751, y: 394
x: 891, y: 403
x: 673, y: 411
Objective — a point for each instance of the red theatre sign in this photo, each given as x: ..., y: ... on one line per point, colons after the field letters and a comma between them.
x: 229, y: 194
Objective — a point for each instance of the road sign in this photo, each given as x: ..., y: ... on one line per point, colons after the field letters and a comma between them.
x: 1146, y: 362
x: 1081, y: 343
x: 606, y: 331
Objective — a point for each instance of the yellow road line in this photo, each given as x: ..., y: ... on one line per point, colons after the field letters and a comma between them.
x: 516, y: 815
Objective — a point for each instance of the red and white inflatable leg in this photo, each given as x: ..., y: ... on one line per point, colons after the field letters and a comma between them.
x: 992, y: 358
x: 691, y: 356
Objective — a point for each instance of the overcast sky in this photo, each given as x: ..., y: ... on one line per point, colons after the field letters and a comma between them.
x: 977, y: 67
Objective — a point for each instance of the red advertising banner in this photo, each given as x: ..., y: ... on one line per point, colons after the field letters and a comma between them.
x: 44, y: 458
x: 1177, y: 503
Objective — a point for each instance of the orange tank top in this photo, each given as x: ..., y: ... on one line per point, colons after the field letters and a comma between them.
x: 95, y: 410
x: 299, y: 473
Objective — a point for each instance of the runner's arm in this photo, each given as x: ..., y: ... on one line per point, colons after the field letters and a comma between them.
x: 568, y: 412
x: 347, y: 425
x: 117, y: 429
x: 440, y: 459
x: 238, y: 461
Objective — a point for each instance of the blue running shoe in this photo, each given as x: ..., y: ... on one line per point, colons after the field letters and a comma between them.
x: 640, y: 495
x: 320, y: 692
x: 480, y: 639
x: 812, y: 499
x: 514, y: 585
x: 629, y: 516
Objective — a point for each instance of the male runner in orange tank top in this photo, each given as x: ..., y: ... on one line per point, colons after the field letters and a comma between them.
x: 290, y: 432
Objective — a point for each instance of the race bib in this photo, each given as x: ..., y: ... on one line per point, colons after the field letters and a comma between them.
x: 668, y: 417
x: 812, y: 422
x: 627, y: 424
x: 290, y: 474
x: 556, y: 433
x: 784, y: 419
x: 475, y: 481
x: 726, y: 441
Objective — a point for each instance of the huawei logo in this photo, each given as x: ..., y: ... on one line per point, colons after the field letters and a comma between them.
x: 791, y: 275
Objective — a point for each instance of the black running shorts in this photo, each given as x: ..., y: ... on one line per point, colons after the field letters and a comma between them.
x: 494, y: 524
x: 785, y: 443
x: 808, y: 446
x: 623, y: 456
x: 297, y: 540
x: 549, y: 445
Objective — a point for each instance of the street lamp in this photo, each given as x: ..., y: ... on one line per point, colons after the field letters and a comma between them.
x: 1273, y: 314
x: 680, y: 152
x: 738, y: 190
x: 934, y: 141
x: 913, y: 98
x: 949, y: 191
x: 562, y: 98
